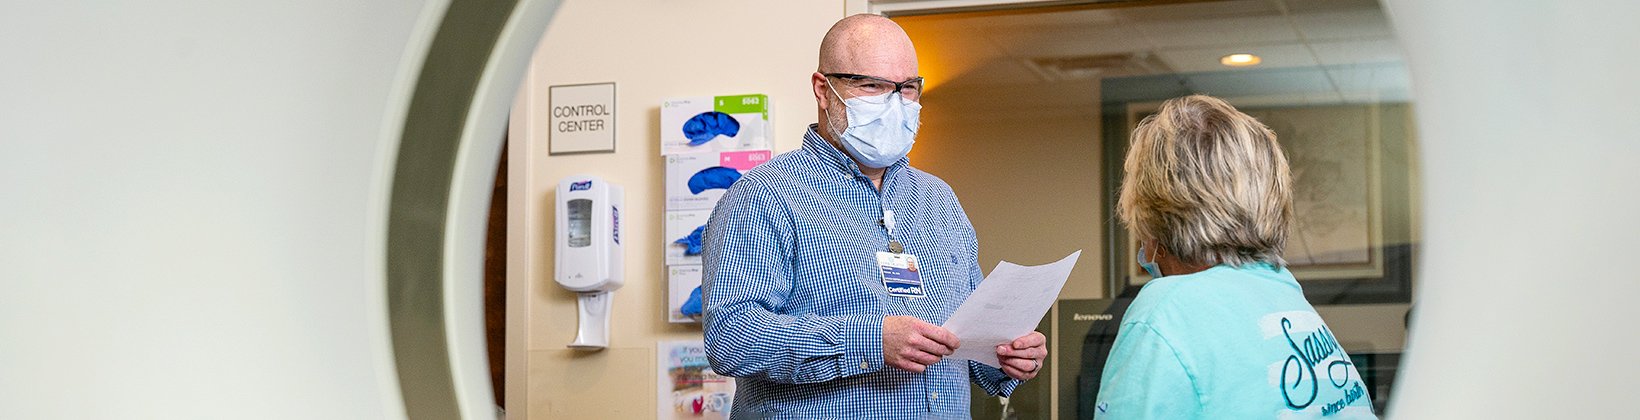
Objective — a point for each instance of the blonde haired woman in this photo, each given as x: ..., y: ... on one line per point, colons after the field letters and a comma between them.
x: 1223, y: 330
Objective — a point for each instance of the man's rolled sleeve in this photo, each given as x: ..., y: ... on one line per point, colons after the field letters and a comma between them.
x: 991, y: 379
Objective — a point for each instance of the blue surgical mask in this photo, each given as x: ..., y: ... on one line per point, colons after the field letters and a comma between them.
x: 881, y: 129
x: 1150, y: 266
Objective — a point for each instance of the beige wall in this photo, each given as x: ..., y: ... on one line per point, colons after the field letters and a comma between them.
x: 652, y: 50
x: 1027, y: 174
x: 1028, y: 180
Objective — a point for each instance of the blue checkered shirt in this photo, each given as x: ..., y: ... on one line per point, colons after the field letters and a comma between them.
x: 795, y: 300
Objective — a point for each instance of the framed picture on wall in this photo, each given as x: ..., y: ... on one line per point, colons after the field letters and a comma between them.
x: 1351, y: 238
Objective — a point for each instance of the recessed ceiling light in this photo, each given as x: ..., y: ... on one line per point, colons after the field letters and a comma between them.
x: 1240, y: 60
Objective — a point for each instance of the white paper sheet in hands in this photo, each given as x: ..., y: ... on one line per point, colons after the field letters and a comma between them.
x: 1008, y: 304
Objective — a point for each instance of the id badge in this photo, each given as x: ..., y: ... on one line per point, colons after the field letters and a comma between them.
x: 900, y: 274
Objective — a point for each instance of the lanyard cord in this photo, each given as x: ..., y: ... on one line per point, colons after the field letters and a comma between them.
x: 887, y: 220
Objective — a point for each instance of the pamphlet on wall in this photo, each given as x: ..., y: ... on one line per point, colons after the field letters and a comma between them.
x: 688, y: 389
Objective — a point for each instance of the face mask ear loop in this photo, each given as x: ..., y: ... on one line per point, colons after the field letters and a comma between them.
x: 833, y: 90
x: 1153, y: 263
x: 839, y: 96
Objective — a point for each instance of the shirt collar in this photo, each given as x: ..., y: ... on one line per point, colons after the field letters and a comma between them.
x: 838, y: 159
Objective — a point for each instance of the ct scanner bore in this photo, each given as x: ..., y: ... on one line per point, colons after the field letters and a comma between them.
x: 452, y: 142
x: 208, y: 207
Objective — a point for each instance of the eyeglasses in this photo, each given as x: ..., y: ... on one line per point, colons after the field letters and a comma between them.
x: 873, y: 89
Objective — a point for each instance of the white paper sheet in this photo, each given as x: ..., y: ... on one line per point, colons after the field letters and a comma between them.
x: 1008, y: 304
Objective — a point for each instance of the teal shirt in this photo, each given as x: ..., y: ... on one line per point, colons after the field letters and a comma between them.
x: 1228, y: 343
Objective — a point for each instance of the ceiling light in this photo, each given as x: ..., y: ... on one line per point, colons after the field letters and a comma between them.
x: 1240, y: 60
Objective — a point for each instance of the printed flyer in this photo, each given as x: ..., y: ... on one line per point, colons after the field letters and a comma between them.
x: 688, y: 387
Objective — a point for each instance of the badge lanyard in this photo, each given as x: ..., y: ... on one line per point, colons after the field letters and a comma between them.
x: 899, y: 269
x: 894, y: 245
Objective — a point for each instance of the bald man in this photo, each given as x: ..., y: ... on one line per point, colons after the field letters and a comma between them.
x: 829, y: 269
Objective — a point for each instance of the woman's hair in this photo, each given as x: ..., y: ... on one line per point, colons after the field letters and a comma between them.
x: 1209, y: 183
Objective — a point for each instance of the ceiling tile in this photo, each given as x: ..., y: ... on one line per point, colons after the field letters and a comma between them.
x: 1218, y: 32
x: 1060, y: 41
x: 1343, y: 25
x: 1207, y: 59
x: 1055, y: 18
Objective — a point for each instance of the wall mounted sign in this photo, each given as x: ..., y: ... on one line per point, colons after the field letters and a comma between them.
x: 581, y: 119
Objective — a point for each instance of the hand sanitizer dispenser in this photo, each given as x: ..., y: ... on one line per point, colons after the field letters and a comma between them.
x: 588, y: 257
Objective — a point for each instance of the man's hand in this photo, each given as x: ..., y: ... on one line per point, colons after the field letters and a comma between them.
x: 913, y: 345
x: 1022, y: 358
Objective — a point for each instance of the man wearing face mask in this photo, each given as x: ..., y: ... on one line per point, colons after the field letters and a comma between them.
x: 829, y: 269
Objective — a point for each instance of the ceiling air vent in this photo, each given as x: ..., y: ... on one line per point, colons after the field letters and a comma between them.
x: 1055, y: 69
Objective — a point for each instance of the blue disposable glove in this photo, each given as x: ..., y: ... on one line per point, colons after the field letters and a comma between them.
x: 691, y: 307
x: 691, y: 243
x: 708, y: 125
x: 713, y: 177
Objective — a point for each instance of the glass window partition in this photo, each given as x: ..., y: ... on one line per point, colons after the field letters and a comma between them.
x: 1027, y: 111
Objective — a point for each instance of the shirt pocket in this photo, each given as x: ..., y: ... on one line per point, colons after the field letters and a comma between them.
x: 943, y: 260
